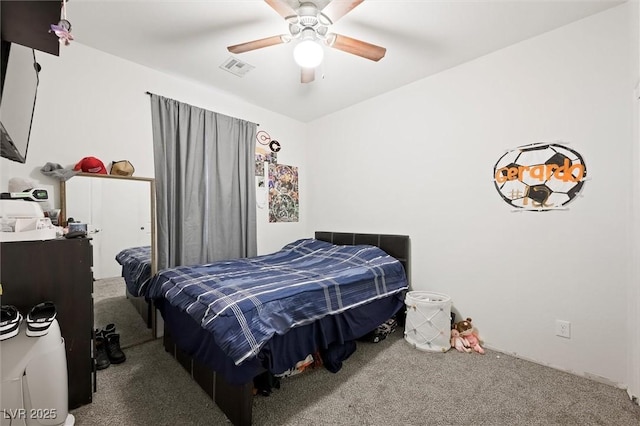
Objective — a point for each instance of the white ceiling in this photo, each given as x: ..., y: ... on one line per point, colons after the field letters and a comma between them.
x: 188, y: 39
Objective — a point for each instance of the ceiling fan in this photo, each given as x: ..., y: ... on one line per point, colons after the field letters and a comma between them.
x: 310, y: 26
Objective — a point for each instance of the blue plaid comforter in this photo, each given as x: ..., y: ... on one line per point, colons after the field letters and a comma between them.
x: 244, y: 302
x: 136, y: 268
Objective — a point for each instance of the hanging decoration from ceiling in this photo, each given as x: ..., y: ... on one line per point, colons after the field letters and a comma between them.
x: 63, y: 28
x: 540, y: 176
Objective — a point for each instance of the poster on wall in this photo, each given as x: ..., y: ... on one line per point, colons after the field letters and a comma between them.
x: 264, y: 155
x: 261, y: 192
x: 283, y: 193
x: 540, y: 176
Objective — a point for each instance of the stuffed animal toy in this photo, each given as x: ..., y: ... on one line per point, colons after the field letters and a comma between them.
x: 466, y: 330
x: 460, y: 343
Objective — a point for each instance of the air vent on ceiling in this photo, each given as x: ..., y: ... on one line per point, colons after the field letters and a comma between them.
x: 236, y: 67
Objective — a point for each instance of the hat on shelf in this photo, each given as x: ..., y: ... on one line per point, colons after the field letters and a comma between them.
x: 122, y: 168
x: 91, y: 165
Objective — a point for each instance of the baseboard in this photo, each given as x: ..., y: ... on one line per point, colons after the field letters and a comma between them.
x: 586, y: 375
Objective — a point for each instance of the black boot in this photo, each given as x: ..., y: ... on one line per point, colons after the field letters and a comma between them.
x: 108, y: 329
x: 102, y: 359
x: 116, y: 356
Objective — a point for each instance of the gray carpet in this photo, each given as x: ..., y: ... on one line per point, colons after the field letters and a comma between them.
x: 111, y: 306
x: 388, y: 383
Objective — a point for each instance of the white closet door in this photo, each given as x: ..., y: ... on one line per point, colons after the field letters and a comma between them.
x: 124, y: 218
x: 94, y: 225
x: 86, y: 200
x: 118, y: 216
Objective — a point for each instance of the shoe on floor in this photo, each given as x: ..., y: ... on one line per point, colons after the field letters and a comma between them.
x: 39, y: 318
x: 10, y: 319
x: 102, y: 358
x: 108, y: 329
x: 116, y: 356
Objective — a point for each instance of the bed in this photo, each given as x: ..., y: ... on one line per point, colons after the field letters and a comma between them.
x: 136, y: 271
x: 226, y: 325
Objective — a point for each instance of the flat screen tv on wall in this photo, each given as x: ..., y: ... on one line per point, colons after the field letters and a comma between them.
x: 18, y: 98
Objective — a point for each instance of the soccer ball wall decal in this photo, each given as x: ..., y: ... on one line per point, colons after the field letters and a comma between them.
x: 540, y: 176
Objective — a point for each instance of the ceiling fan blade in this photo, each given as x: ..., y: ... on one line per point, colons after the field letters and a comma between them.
x: 356, y: 47
x: 307, y: 75
x: 258, y: 44
x: 282, y: 7
x: 336, y: 9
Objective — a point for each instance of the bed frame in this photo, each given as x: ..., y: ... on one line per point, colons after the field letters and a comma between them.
x: 143, y: 306
x: 236, y: 401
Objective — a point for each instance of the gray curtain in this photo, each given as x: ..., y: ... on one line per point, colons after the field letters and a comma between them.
x: 205, y: 196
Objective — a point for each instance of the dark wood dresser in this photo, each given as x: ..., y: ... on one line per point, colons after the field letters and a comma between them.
x: 60, y: 271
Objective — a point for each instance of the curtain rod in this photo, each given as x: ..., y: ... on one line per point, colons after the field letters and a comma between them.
x: 149, y: 93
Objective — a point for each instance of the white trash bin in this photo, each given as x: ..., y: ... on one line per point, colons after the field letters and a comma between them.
x: 34, y: 385
x: 428, y: 322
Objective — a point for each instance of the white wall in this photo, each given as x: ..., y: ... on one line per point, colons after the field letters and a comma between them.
x: 94, y: 104
x: 634, y: 287
x: 419, y: 161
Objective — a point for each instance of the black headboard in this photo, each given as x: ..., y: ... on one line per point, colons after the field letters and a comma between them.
x: 395, y: 245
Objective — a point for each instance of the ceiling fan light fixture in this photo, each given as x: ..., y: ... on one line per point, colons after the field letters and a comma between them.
x: 308, y: 54
x: 324, y: 19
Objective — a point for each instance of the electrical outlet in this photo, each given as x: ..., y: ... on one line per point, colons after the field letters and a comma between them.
x: 563, y: 329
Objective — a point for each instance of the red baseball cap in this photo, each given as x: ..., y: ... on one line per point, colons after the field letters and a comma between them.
x: 91, y: 165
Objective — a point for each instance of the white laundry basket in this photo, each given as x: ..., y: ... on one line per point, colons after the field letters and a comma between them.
x: 428, y: 322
